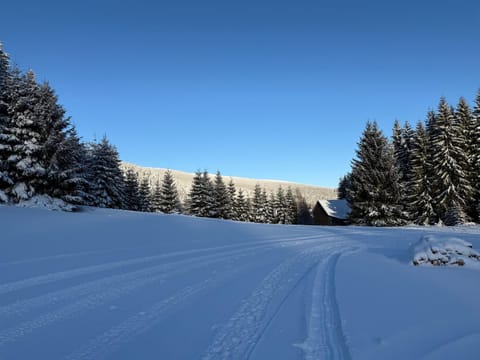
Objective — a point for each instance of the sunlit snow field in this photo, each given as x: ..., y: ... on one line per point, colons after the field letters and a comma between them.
x: 107, y: 284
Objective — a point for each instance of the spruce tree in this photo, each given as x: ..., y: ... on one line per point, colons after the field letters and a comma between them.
x: 241, y: 207
x: 201, y: 195
x: 131, y: 192
x: 279, y: 207
x: 27, y: 168
x: 375, y: 195
x: 451, y: 186
x: 156, y: 196
x: 6, y: 79
x: 231, y: 191
x: 343, y: 186
x: 291, y: 212
x: 145, y: 195
x: 106, y: 176
x: 420, y: 195
x: 258, y: 205
x: 475, y: 160
x: 220, y: 198
x: 168, y: 199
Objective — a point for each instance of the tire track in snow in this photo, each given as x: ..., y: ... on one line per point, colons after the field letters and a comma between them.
x: 68, y: 274
x: 240, y: 335
x: 325, y: 337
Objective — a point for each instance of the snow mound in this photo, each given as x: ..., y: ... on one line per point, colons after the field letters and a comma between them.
x: 452, y: 251
x: 46, y: 202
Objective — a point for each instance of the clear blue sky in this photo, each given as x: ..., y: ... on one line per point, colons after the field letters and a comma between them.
x: 265, y: 89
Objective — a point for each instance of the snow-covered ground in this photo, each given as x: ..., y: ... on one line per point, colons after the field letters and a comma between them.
x: 123, y: 285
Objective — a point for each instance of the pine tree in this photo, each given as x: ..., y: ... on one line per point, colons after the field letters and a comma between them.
x: 201, y: 195
x: 220, y: 198
x: 131, y: 191
x: 279, y: 207
x: 5, y: 123
x: 241, y: 207
x: 290, y: 207
x: 230, y: 209
x: 343, y: 186
x: 475, y: 160
x: 68, y: 171
x: 106, y: 176
x: 168, y: 199
x: 451, y: 187
x: 270, y: 209
x: 156, y: 196
x: 258, y: 205
x: 145, y: 195
x: 27, y: 169
x: 420, y: 194
x: 375, y: 195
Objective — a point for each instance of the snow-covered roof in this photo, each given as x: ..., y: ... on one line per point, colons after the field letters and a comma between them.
x: 336, y: 208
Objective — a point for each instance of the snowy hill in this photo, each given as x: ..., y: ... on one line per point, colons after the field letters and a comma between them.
x: 184, y: 181
x: 108, y: 284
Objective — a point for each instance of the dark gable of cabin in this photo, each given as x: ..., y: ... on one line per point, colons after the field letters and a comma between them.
x: 320, y: 217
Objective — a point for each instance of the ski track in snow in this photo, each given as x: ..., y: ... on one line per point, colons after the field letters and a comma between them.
x: 325, y: 337
x: 238, y: 338
x: 99, y: 292
x: 63, y: 275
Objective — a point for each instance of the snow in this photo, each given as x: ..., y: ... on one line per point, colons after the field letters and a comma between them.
x: 109, y: 284
x: 46, y: 202
x: 336, y: 208
x: 450, y: 251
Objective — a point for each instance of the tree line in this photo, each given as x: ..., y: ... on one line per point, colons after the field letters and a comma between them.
x: 424, y: 175
x: 41, y: 153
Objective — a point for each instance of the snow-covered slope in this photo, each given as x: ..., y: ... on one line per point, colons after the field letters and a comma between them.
x: 105, y: 284
x: 184, y: 181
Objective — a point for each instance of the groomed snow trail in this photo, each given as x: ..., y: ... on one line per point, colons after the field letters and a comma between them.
x: 104, y: 303
x: 238, y: 338
x: 325, y: 337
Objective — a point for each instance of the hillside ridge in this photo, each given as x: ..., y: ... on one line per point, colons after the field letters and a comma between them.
x: 183, y: 179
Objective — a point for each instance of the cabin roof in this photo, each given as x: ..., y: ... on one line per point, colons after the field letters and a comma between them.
x: 335, y: 208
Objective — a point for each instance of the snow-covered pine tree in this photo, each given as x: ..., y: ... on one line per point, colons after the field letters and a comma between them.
x: 199, y: 197
x: 241, y: 207
x: 209, y: 194
x: 221, y: 201
x: 451, y: 186
x: 156, y: 196
x: 291, y: 211
x: 270, y: 209
x: 375, y: 194
x: 68, y: 171
x: 475, y: 161
x: 131, y: 200
x: 231, y: 211
x: 258, y: 205
x: 26, y: 162
x: 106, y: 176
x: 343, y: 186
x: 265, y: 212
x: 279, y: 207
x: 168, y: 199
x: 420, y: 194
x: 465, y: 121
x: 5, y: 123
x: 145, y: 195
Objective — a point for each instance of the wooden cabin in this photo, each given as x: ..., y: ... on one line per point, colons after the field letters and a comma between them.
x: 331, y: 212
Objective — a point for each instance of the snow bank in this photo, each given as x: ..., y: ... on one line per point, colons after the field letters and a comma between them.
x: 46, y: 202
x: 450, y: 251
